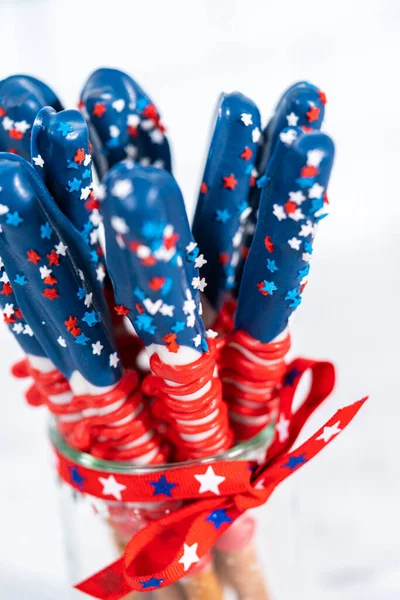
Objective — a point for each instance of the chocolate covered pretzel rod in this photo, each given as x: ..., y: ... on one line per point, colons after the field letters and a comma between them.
x: 293, y: 201
x: 123, y: 122
x: 62, y: 302
x: 21, y: 98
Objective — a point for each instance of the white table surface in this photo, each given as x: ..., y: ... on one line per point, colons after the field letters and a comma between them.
x: 332, y: 531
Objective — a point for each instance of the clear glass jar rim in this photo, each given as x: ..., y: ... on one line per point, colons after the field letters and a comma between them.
x: 238, y: 452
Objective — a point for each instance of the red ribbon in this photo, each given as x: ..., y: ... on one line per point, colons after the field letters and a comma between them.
x: 169, y: 548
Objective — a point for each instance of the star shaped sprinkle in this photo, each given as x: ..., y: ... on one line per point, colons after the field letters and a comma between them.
x: 61, y: 341
x: 329, y: 432
x: 255, y: 135
x: 82, y: 339
x: 122, y: 188
x: 162, y: 487
x: 74, y: 185
x: 267, y: 288
x: 88, y: 299
x: 292, y: 119
x: 46, y: 231
x: 294, y: 243
x: 314, y: 157
x: 218, y: 518
x: 121, y: 310
x: 295, y: 461
x: 20, y: 279
x: 246, y: 119
x: 50, y: 293
x: 38, y: 160
x: 230, y: 182
x: 61, y: 249
x: 65, y: 129
x: 178, y: 326
x: 223, y: 216
x: 282, y: 427
x: 189, y: 556
x: 97, y: 348
x: 297, y: 197
x: 269, y: 244
x: 279, y: 212
x: 76, y: 478
x: 14, y: 219
x: 313, y: 114
x: 111, y: 487
x: 199, y: 283
x: 99, y: 109
x: 91, y: 318
x: 153, y: 582
x: 271, y: 265
x: 209, y: 481
x: 247, y: 153
x: 316, y: 191
x: 288, y: 137
x: 200, y: 261
x: 114, y: 360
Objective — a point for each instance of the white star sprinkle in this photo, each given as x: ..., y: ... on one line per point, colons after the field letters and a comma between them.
x: 316, y: 191
x: 114, y: 131
x: 247, y: 119
x: 131, y: 151
x: 292, y: 119
x: 279, y: 212
x: 200, y: 261
x: 211, y: 333
x: 101, y: 273
x: 95, y: 218
x: 118, y: 105
x: 28, y: 331
x: 4, y: 278
x: 167, y: 310
x: 119, y: 225
x: 85, y: 193
x: 189, y: 556
x: 199, y: 284
x: 197, y: 340
x: 38, y: 160
x: 100, y: 192
x: 314, y: 157
x: 156, y: 136
x: 190, y: 321
x: 297, y: 197
x: 89, y: 299
x: 255, y: 135
x: 45, y: 272
x: 97, y: 348
x: 209, y: 481
x: 329, y: 432
x: 61, y: 341
x: 8, y: 310
x: 18, y: 328
x: 114, y: 360
x: 122, y: 188
x: 296, y: 215
x: 294, y: 243
x: 88, y: 158
x: 190, y: 247
x: 3, y: 209
x: 111, y: 487
x: 7, y: 123
x: 133, y: 120
x: 288, y: 137
x: 307, y: 229
x: 22, y: 126
x: 61, y: 248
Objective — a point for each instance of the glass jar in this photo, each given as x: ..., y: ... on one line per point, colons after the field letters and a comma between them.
x: 96, y: 530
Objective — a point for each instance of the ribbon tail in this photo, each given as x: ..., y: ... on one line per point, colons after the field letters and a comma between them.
x: 108, y: 584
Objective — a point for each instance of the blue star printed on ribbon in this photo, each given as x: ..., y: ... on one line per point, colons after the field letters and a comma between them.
x: 163, y: 487
x: 295, y: 461
x: 219, y: 517
x: 76, y: 478
x: 290, y: 377
x: 153, y: 582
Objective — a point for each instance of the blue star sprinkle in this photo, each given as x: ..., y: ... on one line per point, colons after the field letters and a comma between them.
x: 81, y: 293
x: 20, y: 279
x: 304, y: 272
x: 166, y: 288
x: 144, y: 322
x: 295, y: 461
x: 308, y: 247
x: 271, y: 265
x: 295, y: 302
x: 317, y: 204
x: 223, y: 216
x: 76, y: 477
x: 163, y: 487
x: 260, y: 182
x: 218, y: 518
x: 178, y: 326
x: 292, y: 295
x: 46, y: 231
x: 94, y: 257
x: 141, y: 104
x: 71, y: 164
x: 269, y: 286
x: 139, y: 293
x: 151, y: 583
x: 74, y: 185
x: 91, y: 318
x: 87, y: 174
x: 305, y: 182
x: 81, y: 339
x: 65, y: 129
x: 14, y: 219
x: 113, y: 142
x: 153, y: 229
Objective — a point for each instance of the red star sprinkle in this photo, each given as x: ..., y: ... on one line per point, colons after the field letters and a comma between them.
x: 223, y: 258
x: 121, y: 310
x: 75, y: 331
x: 170, y: 340
x: 326, y: 201
x: 92, y: 203
x: 306, y: 129
x: 290, y: 207
x: 268, y: 244
x: 9, y: 320
x: 309, y: 172
x: 50, y: 293
x: 12, y: 150
x: 230, y: 182
x: 247, y: 153
x: 99, y: 109
x: 204, y: 188
x: 171, y: 241
x: 245, y: 252
x: 79, y: 156
x: 150, y: 261
x: 252, y: 181
x: 139, y: 308
x: 150, y: 112
x: 2, y: 112
x: 322, y: 97
x: 18, y: 313
x: 33, y: 256
x: 6, y: 290
x: 15, y: 134
x: 260, y: 286
x: 313, y: 114
x: 50, y: 280
x: 54, y: 258
x: 156, y: 283
x: 71, y: 323
x: 134, y: 246
x: 132, y: 131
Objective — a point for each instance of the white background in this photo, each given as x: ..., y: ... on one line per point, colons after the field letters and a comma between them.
x: 333, y: 531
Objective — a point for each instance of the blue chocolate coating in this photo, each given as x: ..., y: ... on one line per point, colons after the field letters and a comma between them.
x: 152, y: 270
x: 21, y: 98
x: 49, y: 259
x: 223, y: 204
x: 123, y: 122
x: 292, y: 202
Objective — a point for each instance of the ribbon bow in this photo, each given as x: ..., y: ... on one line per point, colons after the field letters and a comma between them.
x: 168, y: 548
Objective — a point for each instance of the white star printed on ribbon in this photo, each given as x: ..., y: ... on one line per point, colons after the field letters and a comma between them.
x: 329, y: 432
x: 209, y: 481
x: 189, y: 556
x: 282, y: 427
x: 111, y: 487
